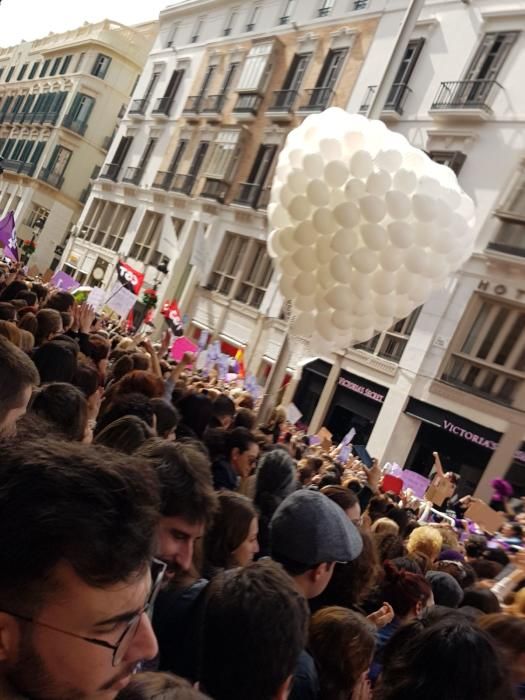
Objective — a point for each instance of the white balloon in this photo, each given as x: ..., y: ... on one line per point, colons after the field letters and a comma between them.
x: 324, y: 221
x: 304, y: 303
x: 425, y: 233
x: 318, y: 193
x: 385, y: 305
x: 295, y: 156
x: 361, y: 164
x: 415, y: 160
x: 397, y: 204
x: 340, y: 269
x: 405, y: 181
x: 404, y: 307
x: 353, y: 141
x: 337, y: 197
x: 444, y: 213
x: 324, y: 279
x: 383, y: 282
x: 313, y: 165
x: 361, y: 285
x: 361, y: 335
x: 278, y: 216
x: 342, y: 320
x: 444, y: 242
x: 389, y: 160
x: 275, y: 250
x: 405, y: 280
x: 429, y: 186
x: 286, y: 287
x: 415, y: 260
x: 344, y: 241
x: 364, y: 260
x: 373, y: 208
x: 452, y: 198
x: 365, y: 306
x: 285, y: 196
x: 421, y: 293
x: 320, y: 302
x: 287, y: 239
x: 305, y: 259
x: 378, y: 182
x: 324, y: 250
x: 289, y: 267
x: 361, y: 322
x: 336, y: 173
x: 323, y: 325
x: 466, y: 208
x: 330, y: 149
x: 424, y: 207
x: 347, y: 214
x: 338, y: 297
x: 374, y: 236
x: 401, y: 234
x: 355, y: 189
x: 304, y: 324
x: 391, y: 258
x: 300, y: 208
x: 305, y: 233
x: 305, y: 283
x: 297, y: 181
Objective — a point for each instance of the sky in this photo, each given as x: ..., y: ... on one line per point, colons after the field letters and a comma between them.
x: 34, y: 19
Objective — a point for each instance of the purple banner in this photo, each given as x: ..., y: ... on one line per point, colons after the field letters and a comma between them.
x: 8, y: 236
x: 64, y: 282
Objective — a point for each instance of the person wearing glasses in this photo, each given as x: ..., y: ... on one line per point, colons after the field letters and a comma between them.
x: 78, y: 578
x: 238, y: 462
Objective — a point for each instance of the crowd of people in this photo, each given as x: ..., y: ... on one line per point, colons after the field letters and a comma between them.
x: 157, y: 541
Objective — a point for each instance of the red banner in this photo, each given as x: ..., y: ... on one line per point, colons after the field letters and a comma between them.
x: 130, y: 278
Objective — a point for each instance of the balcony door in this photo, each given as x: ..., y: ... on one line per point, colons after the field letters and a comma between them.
x: 328, y: 76
x: 293, y: 80
x: 262, y: 165
x: 486, y: 65
x: 404, y: 73
x: 198, y: 159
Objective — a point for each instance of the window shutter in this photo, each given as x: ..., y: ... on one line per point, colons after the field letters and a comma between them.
x: 223, y: 153
x: 254, y: 68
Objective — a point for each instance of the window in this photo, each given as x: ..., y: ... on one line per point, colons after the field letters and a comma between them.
x: 254, y: 191
x: 146, y: 155
x: 101, y: 65
x: 171, y: 36
x: 227, y: 83
x: 210, y: 71
x: 198, y: 159
x: 59, y: 161
x: 256, y: 277
x: 80, y: 61
x: 54, y: 67
x: 37, y: 213
x: 391, y: 344
x: 325, y: 8
x: 81, y: 107
x: 22, y: 71
x: 33, y: 70
x: 252, y: 20
x: 197, y: 30
x: 223, y: 155
x: 510, y: 237
x: 45, y: 66
x: 227, y: 265
x: 117, y: 231
x: 453, y: 159
x: 399, y: 90
x: 230, y: 22
x: 487, y: 355
x: 147, y: 239
x: 65, y: 64
x: 295, y: 75
x: 1, y: 73
x: 288, y: 10
x: 9, y: 74
x: 112, y: 170
x: 331, y: 68
x: 254, y: 71
x: 151, y: 87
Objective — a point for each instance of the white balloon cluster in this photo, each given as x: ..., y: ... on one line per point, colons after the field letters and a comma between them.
x: 363, y: 227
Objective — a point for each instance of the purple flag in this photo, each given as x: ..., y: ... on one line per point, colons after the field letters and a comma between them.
x: 8, y: 236
x: 64, y: 282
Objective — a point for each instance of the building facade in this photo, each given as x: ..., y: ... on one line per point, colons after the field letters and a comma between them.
x: 60, y: 100
x: 450, y: 378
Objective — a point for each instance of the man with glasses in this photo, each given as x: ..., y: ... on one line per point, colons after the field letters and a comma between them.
x: 77, y: 532
x: 241, y: 453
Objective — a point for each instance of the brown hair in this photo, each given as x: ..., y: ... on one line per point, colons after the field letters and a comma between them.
x: 159, y: 686
x: 10, y: 331
x: 18, y: 372
x: 342, y: 643
x: 140, y: 382
x: 49, y: 323
x: 230, y: 528
x: 345, y: 498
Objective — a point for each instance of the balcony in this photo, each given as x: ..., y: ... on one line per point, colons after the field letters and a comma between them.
x: 214, y: 189
x: 133, y: 175
x: 18, y: 117
x: 283, y: 105
x: 138, y: 107
x: 247, y: 105
x: 212, y: 106
x: 183, y: 184
x: 465, y: 99
x: 50, y: 118
x: 76, y: 125
x: 163, y: 180
x: 250, y: 195
x: 395, y: 104
x: 162, y: 106
x: 193, y: 106
x: 319, y: 99
x: 53, y: 179
x: 18, y: 166
x: 110, y: 171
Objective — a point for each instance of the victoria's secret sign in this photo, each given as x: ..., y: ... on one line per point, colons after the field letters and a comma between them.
x: 370, y: 391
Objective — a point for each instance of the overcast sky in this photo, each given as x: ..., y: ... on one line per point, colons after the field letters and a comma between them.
x: 34, y: 19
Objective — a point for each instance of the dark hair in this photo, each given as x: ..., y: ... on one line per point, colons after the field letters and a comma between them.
x: 49, y: 322
x: 127, y: 405
x: 497, y: 555
x: 342, y: 643
x: 7, y: 311
x: 378, y: 507
x: 139, y: 381
x: 245, y: 418
x: 12, y: 290
x: 40, y: 290
x: 184, y: 475
x: 486, y: 569
x: 329, y: 478
x: 451, y: 659
x: 125, y: 434
x: 345, y: 498
x: 255, y: 616
x: 389, y: 545
x: 508, y: 632
x: 60, y: 301
x: 141, y: 361
x: 86, y: 379
x: 67, y: 320
x: 17, y: 372
x: 70, y: 502
x: 475, y: 546
x: 196, y: 411
x: 159, y: 686
x: 406, y: 563
x: 403, y: 590
x: 230, y: 528
x: 29, y: 323
x: 481, y: 598
x: 98, y: 348
x: 223, y: 406
x: 122, y: 366
x: 64, y: 406
x: 239, y: 438
x: 167, y: 416
x: 28, y: 296
x: 55, y: 362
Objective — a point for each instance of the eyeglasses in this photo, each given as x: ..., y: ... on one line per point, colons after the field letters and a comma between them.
x: 158, y: 569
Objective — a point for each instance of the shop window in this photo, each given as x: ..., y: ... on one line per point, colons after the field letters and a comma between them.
x: 487, y: 354
x: 391, y: 344
x: 510, y: 237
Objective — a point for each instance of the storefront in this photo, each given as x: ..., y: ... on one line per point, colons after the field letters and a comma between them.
x: 356, y: 402
x: 464, y: 447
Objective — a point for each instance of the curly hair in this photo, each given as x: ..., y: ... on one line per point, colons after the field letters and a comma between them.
x: 426, y: 540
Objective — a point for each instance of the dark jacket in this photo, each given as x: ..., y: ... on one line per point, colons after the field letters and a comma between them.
x: 224, y: 476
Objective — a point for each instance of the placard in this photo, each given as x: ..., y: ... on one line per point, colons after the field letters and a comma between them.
x: 181, y: 346
x: 120, y: 300
x: 293, y: 414
x: 418, y: 483
x: 64, y: 282
x: 486, y: 517
x: 96, y: 299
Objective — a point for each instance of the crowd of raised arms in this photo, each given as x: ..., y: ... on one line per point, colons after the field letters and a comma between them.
x: 158, y: 541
